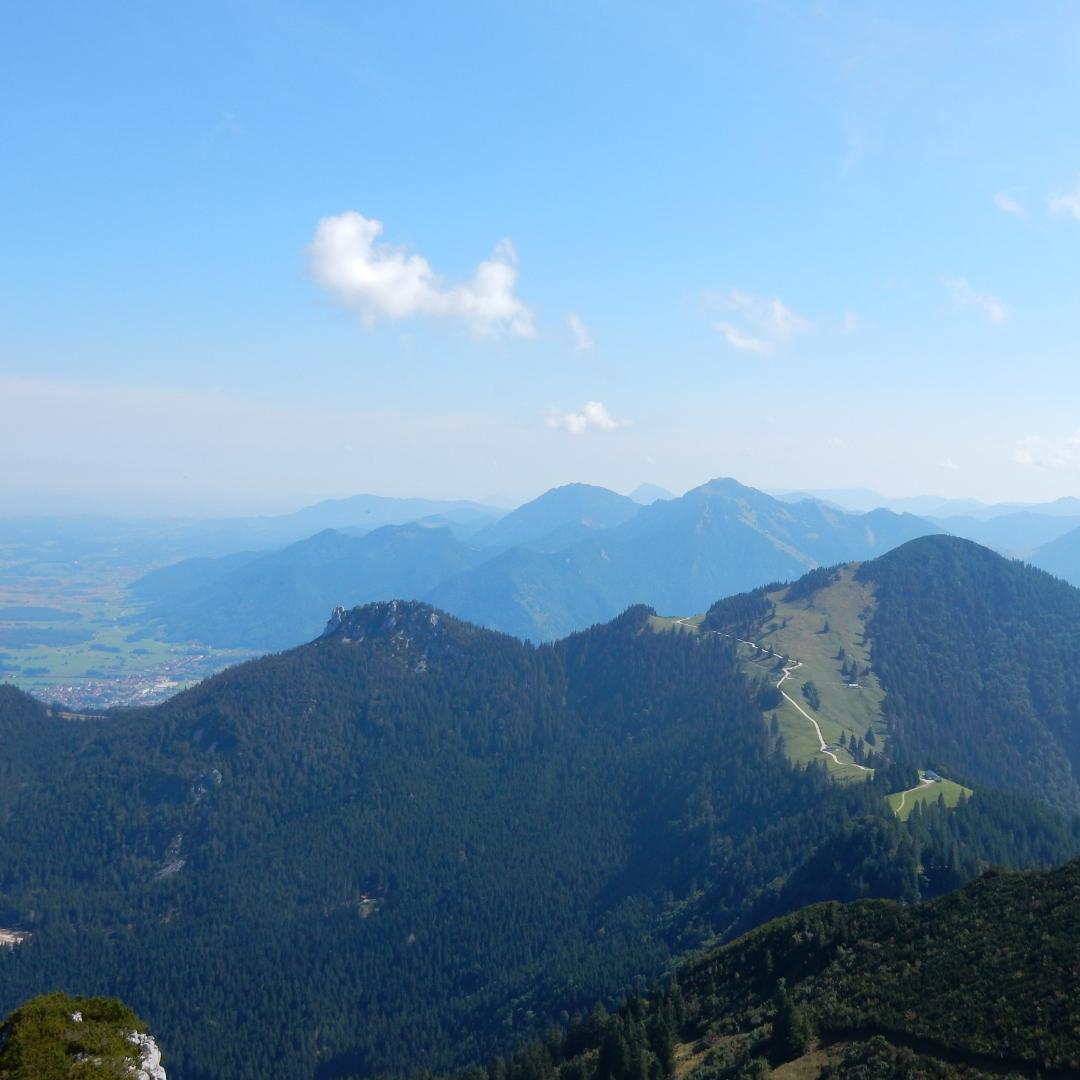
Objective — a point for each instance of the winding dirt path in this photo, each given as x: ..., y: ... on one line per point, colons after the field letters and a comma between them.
x: 790, y: 666
x: 923, y: 782
x: 822, y: 744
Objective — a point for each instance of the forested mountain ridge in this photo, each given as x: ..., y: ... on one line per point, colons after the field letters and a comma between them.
x: 416, y: 833
x: 977, y: 984
x: 980, y: 660
x: 978, y: 657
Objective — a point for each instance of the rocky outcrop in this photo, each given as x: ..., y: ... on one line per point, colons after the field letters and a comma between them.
x: 414, y: 633
x: 149, y: 1066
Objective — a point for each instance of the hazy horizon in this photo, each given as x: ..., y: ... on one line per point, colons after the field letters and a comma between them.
x: 28, y: 504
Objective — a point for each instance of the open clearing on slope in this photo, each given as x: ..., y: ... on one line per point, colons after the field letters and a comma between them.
x: 814, y: 630
x: 928, y: 791
x: 797, y: 630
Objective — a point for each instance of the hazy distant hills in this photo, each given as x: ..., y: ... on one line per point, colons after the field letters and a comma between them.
x: 1021, y: 533
x: 373, y: 511
x: 279, y: 599
x: 407, y: 841
x: 1061, y: 556
x: 74, y: 540
x: 862, y: 499
x: 1016, y: 529
x: 646, y: 494
x: 575, y: 556
x: 549, y: 520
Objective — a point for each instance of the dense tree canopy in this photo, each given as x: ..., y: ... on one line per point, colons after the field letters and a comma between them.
x: 412, y: 841
x: 980, y: 660
x: 977, y: 984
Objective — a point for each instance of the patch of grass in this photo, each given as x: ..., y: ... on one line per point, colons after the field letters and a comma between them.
x: 902, y: 802
x: 667, y: 623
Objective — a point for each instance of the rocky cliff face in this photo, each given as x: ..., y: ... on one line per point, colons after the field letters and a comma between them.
x: 149, y: 1066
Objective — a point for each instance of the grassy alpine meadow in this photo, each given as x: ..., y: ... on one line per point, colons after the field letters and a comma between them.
x: 824, y: 632
x: 928, y: 792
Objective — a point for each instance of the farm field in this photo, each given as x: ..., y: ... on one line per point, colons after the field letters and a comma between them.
x: 65, y: 636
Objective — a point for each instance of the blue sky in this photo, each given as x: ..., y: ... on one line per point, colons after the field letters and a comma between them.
x: 806, y: 245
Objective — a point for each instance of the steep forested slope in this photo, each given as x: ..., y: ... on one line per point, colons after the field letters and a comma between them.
x: 413, y: 833
x: 980, y: 660
x: 977, y: 984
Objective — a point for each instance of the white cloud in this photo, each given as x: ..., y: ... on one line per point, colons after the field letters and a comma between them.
x: 1008, y: 205
x: 593, y: 416
x: 1066, y: 203
x: 380, y: 281
x: 964, y: 296
x: 582, y: 337
x: 1049, y: 453
x: 949, y: 464
x: 763, y: 324
x: 850, y: 322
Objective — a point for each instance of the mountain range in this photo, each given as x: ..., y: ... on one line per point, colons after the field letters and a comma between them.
x: 575, y: 556
x: 412, y: 841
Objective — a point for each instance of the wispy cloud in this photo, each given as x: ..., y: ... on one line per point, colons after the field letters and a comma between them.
x: 229, y: 124
x: 964, y: 296
x: 582, y: 337
x: 948, y: 464
x: 737, y: 339
x: 1008, y: 205
x: 593, y: 416
x: 380, y: 281
x: 1066, y: 203
x: 762, y: 324
x: 1038, y: 452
